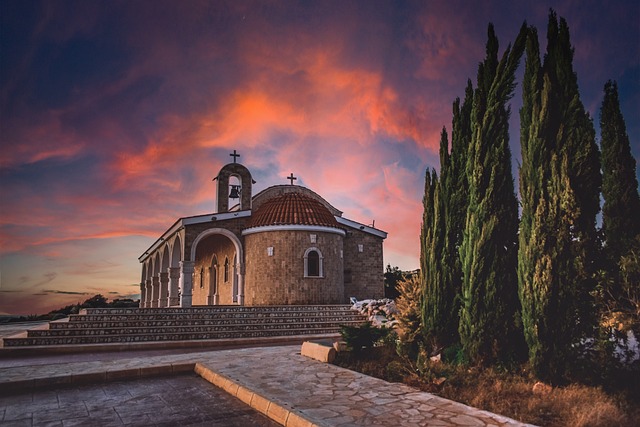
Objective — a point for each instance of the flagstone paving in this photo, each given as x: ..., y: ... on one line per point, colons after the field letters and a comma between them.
x: 276, y: 381
x: 184, y: 399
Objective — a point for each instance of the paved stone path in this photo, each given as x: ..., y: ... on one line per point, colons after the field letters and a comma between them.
x: 276, y: 381
x: 183, y: 399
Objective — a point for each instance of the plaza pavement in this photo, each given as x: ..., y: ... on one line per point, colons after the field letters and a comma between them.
x: 276, y: 381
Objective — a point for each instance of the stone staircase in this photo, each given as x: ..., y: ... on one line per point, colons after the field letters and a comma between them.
x: 166, y: 325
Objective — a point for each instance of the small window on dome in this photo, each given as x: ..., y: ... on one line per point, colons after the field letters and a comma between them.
x: 313, y: 263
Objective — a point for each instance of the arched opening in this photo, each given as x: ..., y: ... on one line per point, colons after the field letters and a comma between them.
x: 143, y: 284
x: 218, y: 287
x: 173, y: 299
x: 235, y: 192
x: 201, y: 273
x: 155, y: 281
x: 163, y: 293
x: 176, y: 252
x: 313, y: 263
x: 233, y: 180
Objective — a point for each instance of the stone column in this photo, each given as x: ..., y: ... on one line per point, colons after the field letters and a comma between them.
x: 164, y: 290
x: 155, y: 294
x: 186, y: 283
x: 211, y: 299
x: 241, y: 284
x: 148, y: 293
x: 143, y: 291
x: 174, y: 282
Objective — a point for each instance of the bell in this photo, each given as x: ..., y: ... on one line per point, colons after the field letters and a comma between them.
x: 235, y: 192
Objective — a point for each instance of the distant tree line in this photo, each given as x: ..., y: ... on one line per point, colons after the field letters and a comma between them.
x: 505, y: 286
x: 97, y: 301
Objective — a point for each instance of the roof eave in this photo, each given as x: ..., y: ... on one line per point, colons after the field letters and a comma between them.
x: 358, y: 226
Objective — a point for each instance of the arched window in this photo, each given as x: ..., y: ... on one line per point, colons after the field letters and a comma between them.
x: 313, y: 263
x: 226, y: 270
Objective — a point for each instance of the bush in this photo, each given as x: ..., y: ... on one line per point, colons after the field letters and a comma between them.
x: 363, y: 336
x: 408, y: 317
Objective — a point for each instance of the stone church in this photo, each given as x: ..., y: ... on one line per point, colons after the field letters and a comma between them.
x: 284, y: 245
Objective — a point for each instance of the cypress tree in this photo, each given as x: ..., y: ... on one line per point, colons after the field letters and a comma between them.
x: 488, y: 252
x: 453, y: 188
x: 432, y: 244
x: 536, y: 237
x: 447, y: 210
x: 621, y: 209
x: 559, y: 186
x: 426, y: 239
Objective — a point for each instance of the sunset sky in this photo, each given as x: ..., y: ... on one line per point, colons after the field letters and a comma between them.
x: 116, y: 115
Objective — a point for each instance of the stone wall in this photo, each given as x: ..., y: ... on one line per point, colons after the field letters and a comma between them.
x: 279, y: 278
x: 364, y: 270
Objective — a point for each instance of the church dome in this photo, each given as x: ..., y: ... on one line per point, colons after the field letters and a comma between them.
x: 293, y: 209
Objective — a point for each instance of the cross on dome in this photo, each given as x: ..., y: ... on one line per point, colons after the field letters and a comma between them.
x: 291, y: 178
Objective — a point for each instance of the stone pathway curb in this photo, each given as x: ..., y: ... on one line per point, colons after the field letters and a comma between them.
x: 277, y: 381
x: 6, y: 352
x: 260, y: 403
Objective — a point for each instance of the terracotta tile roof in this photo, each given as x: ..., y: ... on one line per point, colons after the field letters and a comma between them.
x: 293, y: 209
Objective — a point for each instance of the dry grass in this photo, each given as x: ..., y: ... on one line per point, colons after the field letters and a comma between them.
x: 503, y: 393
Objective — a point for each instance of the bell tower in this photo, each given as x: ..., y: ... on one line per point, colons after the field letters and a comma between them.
x: 233, y: 185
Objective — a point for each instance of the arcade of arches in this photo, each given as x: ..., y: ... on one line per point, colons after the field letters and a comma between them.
x: 284, y: 245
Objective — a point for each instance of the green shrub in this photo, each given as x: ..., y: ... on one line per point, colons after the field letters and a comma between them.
x: 363, y: 336
x: 454, y: 355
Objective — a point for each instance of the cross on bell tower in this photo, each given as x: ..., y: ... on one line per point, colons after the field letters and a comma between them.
x: 291, y: 178
x: 234, y: 155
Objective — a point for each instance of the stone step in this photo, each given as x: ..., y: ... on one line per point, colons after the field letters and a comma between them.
x: 220, y: 309
x: 115, y: 323
x: 185, y: 329
x: 204, y: 316
x: 132, y: 325
x: 107, y: 339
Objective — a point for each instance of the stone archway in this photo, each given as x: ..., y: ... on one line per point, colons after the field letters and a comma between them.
x: 173, y: 299
x: 220, y: 244
x: 155, y: 281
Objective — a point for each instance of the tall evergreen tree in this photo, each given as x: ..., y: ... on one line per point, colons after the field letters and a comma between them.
x: 536, y: 234
x: 559, y: 186
x: 621, y: 209
x: 447, y: 209
x: 488, y: 252
x: 432, y: 244
x: 453, y: 188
